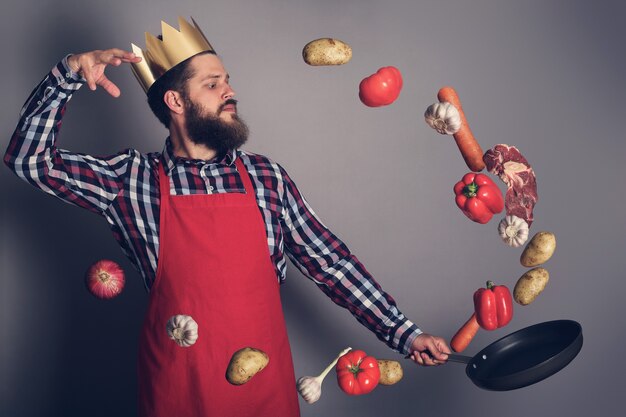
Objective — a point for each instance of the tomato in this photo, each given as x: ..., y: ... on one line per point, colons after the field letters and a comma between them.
x: 357, y: 373
x: 381, y: 88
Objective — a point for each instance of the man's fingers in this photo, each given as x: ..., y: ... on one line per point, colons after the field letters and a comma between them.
x: 429, y: 350
x: 443, y: 349
x: 133, y: 59
x: 416, y: 357
x: 87, y: 73
x: 428, y: 360
x: 437, y: 349
x: 107, y: 58
x: 116, y: 56
x: 91, y: 66
x: 85, y: 63
x: 109, y: 86
x: 437, y: 354
x: 121, y: 53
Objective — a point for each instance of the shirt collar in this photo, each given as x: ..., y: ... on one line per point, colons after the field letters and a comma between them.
x: 172, y: 160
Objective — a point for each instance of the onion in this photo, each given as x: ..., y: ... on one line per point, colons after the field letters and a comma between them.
x: 105, y: 279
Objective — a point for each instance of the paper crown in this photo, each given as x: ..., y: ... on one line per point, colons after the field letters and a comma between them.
x: 161, y: 55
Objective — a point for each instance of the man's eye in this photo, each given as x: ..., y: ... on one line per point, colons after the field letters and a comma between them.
x: 211, y: 85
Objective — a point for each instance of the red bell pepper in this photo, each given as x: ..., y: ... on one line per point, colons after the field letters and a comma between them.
x: 493, y: 306
x: 478, y: 197
x: 381, y: 88
x: 357, y: 373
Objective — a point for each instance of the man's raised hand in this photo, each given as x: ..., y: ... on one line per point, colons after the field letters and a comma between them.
x: 91, y: 65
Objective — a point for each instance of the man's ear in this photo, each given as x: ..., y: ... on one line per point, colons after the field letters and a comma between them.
x: 174, y: 100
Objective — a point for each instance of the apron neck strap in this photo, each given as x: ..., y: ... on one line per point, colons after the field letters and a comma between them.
x: 164, y: 181
x: 245, y: 177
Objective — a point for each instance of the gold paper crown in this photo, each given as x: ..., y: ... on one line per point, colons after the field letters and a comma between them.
x: 161, y: 55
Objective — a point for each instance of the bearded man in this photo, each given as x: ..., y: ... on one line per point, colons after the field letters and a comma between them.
x: 208, y: 226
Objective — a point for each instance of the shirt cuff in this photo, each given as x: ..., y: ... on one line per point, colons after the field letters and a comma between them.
x: 54, y: 91
x: 66, y: 77
x: 405, y: 335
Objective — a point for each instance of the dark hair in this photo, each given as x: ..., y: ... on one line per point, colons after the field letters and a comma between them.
x: 175, y: 79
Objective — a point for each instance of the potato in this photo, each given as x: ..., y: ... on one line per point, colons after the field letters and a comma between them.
x: 244, y: 364
x: 326, y: 51
x: 540, y: 248
x: 530, y: 285
x: 390, y: 371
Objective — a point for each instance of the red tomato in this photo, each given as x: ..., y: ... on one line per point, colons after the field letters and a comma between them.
x: 381, y: 88
x: 357, y: 373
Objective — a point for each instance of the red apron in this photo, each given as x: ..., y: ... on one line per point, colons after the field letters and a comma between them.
x: 214, y: 265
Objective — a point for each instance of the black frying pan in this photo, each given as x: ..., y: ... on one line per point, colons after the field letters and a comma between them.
x: 524, y: 357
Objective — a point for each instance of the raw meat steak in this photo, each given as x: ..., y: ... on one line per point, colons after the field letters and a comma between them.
x: 508, y: 163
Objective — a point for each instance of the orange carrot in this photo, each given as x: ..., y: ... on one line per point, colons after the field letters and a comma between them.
x: 465, y: 140
x: 465, y: 334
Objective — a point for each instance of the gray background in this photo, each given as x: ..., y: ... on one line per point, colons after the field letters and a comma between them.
x: 545, y: 76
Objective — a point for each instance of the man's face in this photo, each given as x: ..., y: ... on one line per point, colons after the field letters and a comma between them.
x: 209, y: 87
x: 210, y: 110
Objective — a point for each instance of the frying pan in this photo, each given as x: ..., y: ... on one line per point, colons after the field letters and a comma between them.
x: 524, y: 357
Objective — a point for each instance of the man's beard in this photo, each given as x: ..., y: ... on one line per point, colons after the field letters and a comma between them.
x: 212, y: 131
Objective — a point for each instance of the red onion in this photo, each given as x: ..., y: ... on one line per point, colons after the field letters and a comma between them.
x: 105, y: 279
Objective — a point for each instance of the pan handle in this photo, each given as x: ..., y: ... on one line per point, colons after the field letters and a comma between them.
x: 453, y: 357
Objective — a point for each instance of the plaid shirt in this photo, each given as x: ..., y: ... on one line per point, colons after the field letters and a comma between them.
x: 124, y: 189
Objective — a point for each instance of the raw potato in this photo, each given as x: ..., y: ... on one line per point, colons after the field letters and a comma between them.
x: 530, y: 285
x: 244, y: 364
x: 326, y: 51
x: 390, y: 371
x: 539, y: 249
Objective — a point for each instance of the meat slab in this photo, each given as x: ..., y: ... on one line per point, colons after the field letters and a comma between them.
x: 508, y: 163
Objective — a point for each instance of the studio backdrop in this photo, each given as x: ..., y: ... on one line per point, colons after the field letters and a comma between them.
x: 544, y: 76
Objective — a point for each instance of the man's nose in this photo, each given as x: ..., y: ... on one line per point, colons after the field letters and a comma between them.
x: 228, y: 92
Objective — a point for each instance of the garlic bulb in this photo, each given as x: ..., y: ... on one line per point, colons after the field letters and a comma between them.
x: 310, y: 388
x: 513, y: 231
x: 443, y: 117
x: 183, y: 330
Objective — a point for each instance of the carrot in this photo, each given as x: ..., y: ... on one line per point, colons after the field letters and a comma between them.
x: 465, y: 334
x: 465, y: 140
